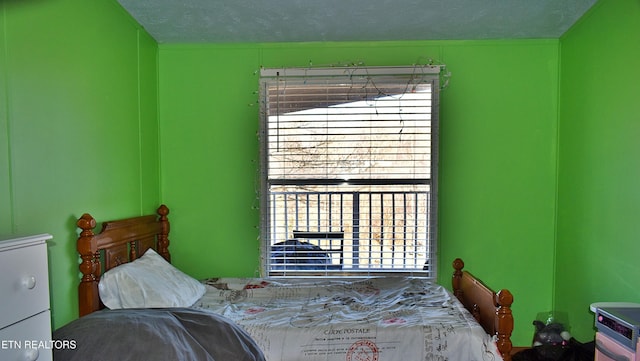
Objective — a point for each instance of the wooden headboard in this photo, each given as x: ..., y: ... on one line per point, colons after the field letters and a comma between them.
x: 492, y: 310
x: 118, y: 242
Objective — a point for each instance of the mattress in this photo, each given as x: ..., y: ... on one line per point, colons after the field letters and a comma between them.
x: 379, y: 318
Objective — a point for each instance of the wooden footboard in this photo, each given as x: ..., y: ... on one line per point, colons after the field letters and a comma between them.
x: 492, y: 310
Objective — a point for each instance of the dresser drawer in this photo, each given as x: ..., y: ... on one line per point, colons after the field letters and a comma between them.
x: 24, y: 282
x: 28, y: 339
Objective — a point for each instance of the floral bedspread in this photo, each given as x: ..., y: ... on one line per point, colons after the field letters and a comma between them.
x: 371, y: 319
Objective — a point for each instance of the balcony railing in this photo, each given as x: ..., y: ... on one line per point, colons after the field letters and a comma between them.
x: 350, y: 232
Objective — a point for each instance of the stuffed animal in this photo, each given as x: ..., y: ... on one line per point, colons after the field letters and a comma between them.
x: 550, y: 334
x: 551, y: 342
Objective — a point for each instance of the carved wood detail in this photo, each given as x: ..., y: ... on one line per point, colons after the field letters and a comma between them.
x: 458, y: 265
x: 119, y: 242
x: 163, y: 236
x: 491, y: 310
x: 88, y: 289
x: 504, y: 322
x: 115, y: 256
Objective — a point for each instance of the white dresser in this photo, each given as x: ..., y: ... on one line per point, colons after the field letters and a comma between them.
x: 25, y: 320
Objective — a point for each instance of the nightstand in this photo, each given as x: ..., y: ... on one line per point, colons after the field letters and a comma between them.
x: 25, y: 319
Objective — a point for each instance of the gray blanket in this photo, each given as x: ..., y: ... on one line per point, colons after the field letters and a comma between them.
x: 176, y: 334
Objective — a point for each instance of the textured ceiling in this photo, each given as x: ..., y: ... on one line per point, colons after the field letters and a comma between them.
x: 233, y: 21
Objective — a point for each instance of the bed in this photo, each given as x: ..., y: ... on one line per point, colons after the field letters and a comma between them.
x: 154, y: 332
x: 376, y: 318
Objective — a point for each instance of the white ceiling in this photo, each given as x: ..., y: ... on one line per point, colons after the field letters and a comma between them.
x: 233, y: 21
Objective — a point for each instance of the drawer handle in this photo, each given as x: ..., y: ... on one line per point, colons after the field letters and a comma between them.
x: 31, y: 354
x: 29, y: 282
x: 609, y: 353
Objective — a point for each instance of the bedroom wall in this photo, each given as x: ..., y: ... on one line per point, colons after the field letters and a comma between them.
x: 498, y: 155
x: 78, y: 126
x: 78, y: 132
x: 599, y: 177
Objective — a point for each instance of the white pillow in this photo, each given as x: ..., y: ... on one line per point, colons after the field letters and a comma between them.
x: 148, y: 282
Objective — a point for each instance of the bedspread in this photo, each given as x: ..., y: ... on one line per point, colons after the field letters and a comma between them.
x: 385, y: 318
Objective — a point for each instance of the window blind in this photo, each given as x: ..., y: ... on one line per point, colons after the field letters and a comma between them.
x: 368, y: 134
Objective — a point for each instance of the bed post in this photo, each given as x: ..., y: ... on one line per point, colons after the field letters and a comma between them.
x: 504, y: 323
x: 163, y: 236
x: 458, y: 265
x: 89, y: 299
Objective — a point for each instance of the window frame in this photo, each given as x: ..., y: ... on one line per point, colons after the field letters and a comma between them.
x: 432, y: 72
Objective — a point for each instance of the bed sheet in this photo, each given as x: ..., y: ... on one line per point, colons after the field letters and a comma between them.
x: 380, y: 318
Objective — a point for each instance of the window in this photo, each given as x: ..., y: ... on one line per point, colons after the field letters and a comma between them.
x: 348, y: 170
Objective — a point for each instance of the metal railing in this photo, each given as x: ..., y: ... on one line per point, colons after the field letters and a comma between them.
x: 349, y: 231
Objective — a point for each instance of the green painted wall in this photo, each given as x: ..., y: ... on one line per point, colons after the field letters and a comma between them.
x: 538, y: 138
x: 78, y: 125
x: 498, y: 155
x: 599, y: 177
x: 498, y: 167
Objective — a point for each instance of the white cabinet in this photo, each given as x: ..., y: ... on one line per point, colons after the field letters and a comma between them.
x: 25, y: 321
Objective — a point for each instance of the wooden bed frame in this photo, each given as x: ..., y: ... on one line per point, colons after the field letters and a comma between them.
x: 124, y: 240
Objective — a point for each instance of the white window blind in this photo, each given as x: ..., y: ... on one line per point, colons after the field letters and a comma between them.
x: 348, y: 170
